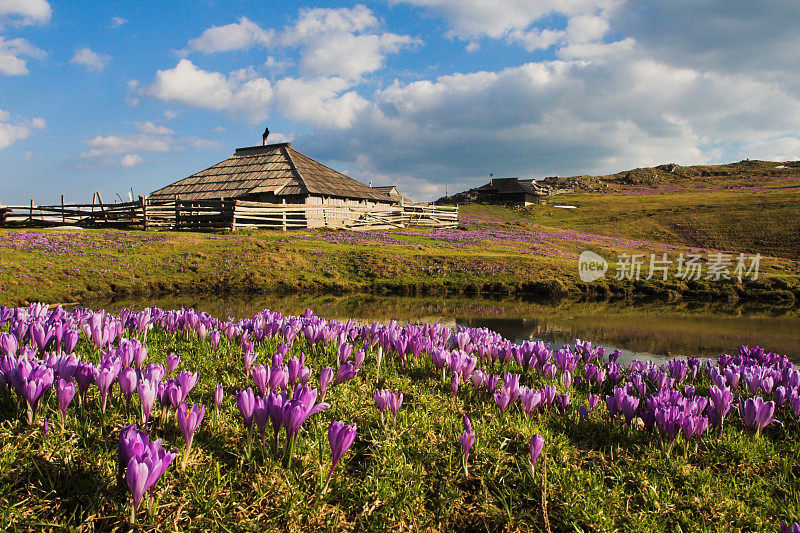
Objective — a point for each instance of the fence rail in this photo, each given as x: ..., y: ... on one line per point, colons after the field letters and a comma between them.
x: 224, y: 214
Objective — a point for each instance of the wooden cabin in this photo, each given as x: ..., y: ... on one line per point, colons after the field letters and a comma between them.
x: 274, y: 173
x: 510, y: 191
x: 392, y: 192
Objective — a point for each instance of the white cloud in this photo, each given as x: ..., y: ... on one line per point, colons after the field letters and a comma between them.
x: 170, y: 115
x: 319, y: 102
x: 116, y: 22
x: 153, y: 139
x: 25, y: 12
x: 153, y: 129
x: 93, y: 61
x: 12, y: 54
x: 101, y: 146
x: 131, y: 160
x: 618, y: 111
x: 241, y: 92
x: 236, y: 36
x: 534, y: 24
x: 485, y: 18
x: 341, y: 42
x: 12, y: 132
x: 778, y: 149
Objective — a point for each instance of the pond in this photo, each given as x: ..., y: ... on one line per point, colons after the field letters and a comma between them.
x: 646, y: 331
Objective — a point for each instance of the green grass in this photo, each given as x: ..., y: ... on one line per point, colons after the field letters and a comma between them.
x: 498, y: 251
x: 765, y: 220
x: 600, y: 475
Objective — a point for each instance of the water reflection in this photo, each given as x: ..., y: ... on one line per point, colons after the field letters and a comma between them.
x: 645, y: 331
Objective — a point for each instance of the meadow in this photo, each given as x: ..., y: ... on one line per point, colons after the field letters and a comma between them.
x: 495, y: 251
x: 254, y: 416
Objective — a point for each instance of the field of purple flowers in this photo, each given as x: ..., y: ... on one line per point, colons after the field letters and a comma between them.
x: 174, y: 419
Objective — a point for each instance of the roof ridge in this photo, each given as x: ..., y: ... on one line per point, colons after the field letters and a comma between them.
x: 286, y: 150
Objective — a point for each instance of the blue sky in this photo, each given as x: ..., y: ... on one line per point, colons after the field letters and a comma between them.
x: 114, y: 96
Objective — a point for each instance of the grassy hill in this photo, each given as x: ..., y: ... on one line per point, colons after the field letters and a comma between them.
x: 749, y: 206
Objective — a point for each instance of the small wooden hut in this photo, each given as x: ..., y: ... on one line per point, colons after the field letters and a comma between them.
x: 392, y: 192
x: 511, y: 191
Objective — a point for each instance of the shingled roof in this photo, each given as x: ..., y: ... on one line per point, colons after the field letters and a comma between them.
x: 276, y: 168
x: 513, y: 186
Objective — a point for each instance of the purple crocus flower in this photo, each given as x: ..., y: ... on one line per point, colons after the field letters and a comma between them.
x: 8, y: 344
x: 189, y: 420
x: 106, y: 375
x: 218, y: 396
x: 147, y: 390
x: 173, y: 360
x: 454, y: 384
x: 214, y: 337
x: 246, y: 402
x: 295, y: 411
x: 249, y: 358
x: 186, y: 381
x: 358, y: 358
x: 261, y: 375
x: 467, y: 440
x: 721, y: 400
x: 325, y: 379
x: 136, y: 474
x: 274, y: 405
x: 71, y: 338
x: 793, y: 528
x: 142, y: 475
x: 85, y: 375
x: 260, y: 416
x: 346, y: 372
x: 394, y: 402
x: 536, y: 445
x: 756, y: 413
x: 478, y: 378
x: 65, y: 391
x: 381, y: 398
x: 530, y: 399
x: 593, y: 400
x: 340, y: 436
x: 566, y: 379
x: 491, y: 382
x: 344, y: 351
x: 33, y: 388
x: 502, y: 397
x: 127, y: 382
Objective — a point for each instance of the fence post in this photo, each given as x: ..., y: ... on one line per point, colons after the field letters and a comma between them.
x: 143, y: 203
x: 234, y: 203
x: 177, y: 212
x: 63, y: 219
x: 30, y: 215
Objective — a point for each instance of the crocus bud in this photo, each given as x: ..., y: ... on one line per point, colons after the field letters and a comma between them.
x: 173, y: 360
x: 218, y: 395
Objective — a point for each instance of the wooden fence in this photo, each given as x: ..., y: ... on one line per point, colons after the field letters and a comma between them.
x: 225, y: 214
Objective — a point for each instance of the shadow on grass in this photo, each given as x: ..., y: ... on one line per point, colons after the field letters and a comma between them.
x: 78, y: 491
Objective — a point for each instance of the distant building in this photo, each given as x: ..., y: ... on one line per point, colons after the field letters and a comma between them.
x: 510, y: 191
x: 392, y: 192
x: 274, y: 173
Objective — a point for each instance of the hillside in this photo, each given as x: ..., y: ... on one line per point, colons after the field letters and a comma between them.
x: 746, y: 174
x: 749, y: 206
